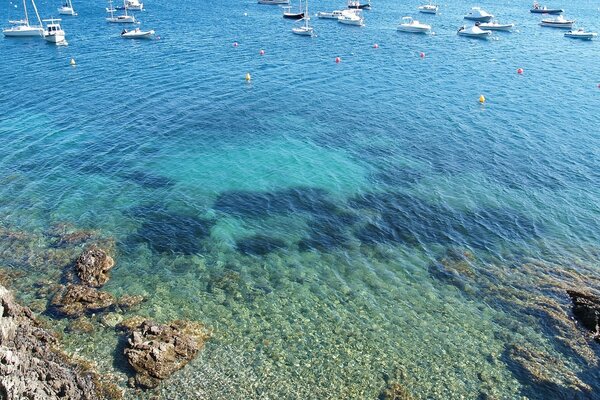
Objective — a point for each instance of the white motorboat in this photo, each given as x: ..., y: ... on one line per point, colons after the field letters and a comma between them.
x: 413, y: 26
x: 474, y: 31
x: 428, y: 8
x: 67, y: 9
x: 478, y: 14
x: 329, y: 15
x: 538, y: 9
x: 22, y: 28
x: 357, y: 5
x: 558, y: 22
x: 131, y: 5
x: 581, y: 34
x: 119, y: 19
x: 306, y: 29
x: 137, y: 33
x: 351, y: 17
x: 273, y: 1
x: 53, y: 32
x: 495, y: 26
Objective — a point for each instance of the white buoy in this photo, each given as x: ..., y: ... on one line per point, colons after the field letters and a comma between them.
x: 72, y: 62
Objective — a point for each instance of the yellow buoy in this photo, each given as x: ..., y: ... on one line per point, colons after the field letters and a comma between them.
x: 248, y: 77
x: 72, y: 62
x: 482, y: 99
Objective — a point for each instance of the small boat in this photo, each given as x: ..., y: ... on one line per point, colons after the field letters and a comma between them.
x: 428, y: 9
x: 537, y: 9
x: 53, y: 32
x: 478, y: 14
x: 306, y: 29
x: 21, y: 28
x: 558, y: 22
x: 329, y: 15
x: 357, y: 5
x: 351, y: 17
x: 474, y: 31
x: 413, y: 26
x: 131, y: 5
x: 581, y: 34
x: 288, y: 13
x: 137, y: 33
x: 119, y: 19
x: 273, y: 1
x: 67, y: 9
x: 494, y: 26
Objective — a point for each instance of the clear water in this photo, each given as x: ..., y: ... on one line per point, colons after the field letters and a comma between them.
x: 302, y: 215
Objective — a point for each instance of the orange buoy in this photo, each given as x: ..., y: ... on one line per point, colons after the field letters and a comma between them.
x: 482, y: 99
x: 248, y: 77
x: 520, y: 71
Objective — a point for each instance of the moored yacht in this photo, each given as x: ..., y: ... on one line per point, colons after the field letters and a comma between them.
x: 357, y: 5
x: 581, y: 34
x: 351, y: 17
x: 474, y: 32
x: 54, y: 32
x: 22, y: 28
x: 428, y: 9
x: 558, y: 22
x: 330, y: 15
x: 494, y: 26
x: 478, y: 14
x: 538, y: 9
x: 67, y: 9
x: 413, y: 26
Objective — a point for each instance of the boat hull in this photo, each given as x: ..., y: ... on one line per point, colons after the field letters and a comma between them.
x: 23, y: 33
x: 120, y: 21
x: 293, y: 15
x: 486, y: 18
x: 303, y: 31
x: 138, y: 35
x: 542, y: 11
x: 66, y: 11
x: 60, y: 38
x: 581, y: 36
x: 425, y: 11
x: 559, y: 25
x: 351, y: 22
x: 506, y: 27
x: 273, y: 1
x: 413, y: 29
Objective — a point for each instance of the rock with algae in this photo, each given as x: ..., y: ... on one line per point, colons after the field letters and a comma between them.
x: 76, y: 300
x: 156, y: 351
x: 395, y: 391
x: 93, y: 266
x: 586, y: 308
x: 32, y: 366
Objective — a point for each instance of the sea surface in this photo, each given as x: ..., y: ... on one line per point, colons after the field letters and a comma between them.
x: 338, y: 226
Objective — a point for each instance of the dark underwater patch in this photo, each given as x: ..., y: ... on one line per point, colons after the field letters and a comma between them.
x: 259, y: 204
x: 259, y: 245
x: 147, y: 180
x: 168, y: 232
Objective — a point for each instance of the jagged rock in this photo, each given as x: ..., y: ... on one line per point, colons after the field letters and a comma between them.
x: 126, y: 302
x: 586, y: 308
x: 32, y: 367
x: 156, y: 351
x: 76, y: 300
x: 93, y: 266
x: 395, y: 391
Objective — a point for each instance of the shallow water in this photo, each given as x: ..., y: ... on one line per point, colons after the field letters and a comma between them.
x: 302, y: 216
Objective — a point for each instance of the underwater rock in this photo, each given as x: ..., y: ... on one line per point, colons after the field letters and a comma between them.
x: 93, y: 266
x: 127, y: 302
x: 130, y: 324
x: 156, y: 351
x: 548, y: 374
x: 32, y: 366
x: 76, y: 300
x: 81, y: 325
x: 111, y: 319
x: 395, y: 391
x: 586, y: 308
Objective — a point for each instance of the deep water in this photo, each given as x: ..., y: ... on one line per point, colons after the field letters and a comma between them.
x: 338, y: 226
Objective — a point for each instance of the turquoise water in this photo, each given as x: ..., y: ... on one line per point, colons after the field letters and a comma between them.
x: 304, y: 216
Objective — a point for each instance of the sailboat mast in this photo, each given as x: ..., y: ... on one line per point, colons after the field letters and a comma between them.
x: 37, y: 14
x: 26, y: 16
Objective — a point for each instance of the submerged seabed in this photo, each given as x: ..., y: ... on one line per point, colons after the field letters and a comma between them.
x: 338, y: 226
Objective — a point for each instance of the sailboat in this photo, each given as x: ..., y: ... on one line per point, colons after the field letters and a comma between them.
x: 67, y: 9
x: 21, y: 28
x: 287, y: 12
x: 119, y: 19
x: 306, y: 29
